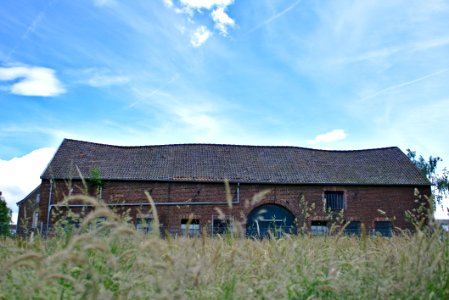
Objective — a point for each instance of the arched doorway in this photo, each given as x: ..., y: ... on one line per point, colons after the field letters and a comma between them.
x: 270, y: 218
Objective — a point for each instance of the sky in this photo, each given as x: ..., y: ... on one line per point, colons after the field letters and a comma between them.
x: 320, y: 74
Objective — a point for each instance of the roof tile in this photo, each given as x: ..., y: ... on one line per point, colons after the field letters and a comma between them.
x: 246, y: 164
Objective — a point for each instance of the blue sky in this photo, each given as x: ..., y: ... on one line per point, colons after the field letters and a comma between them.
x: 320, y: 74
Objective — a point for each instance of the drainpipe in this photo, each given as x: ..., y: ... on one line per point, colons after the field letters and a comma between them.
x: 238, y: 192
x: 49, y: 206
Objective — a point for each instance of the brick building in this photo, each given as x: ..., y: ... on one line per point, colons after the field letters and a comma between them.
x: 304, y: 188
x: 27, y: 220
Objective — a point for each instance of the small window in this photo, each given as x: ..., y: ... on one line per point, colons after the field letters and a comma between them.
x: 190, y: 227
x: 319, y: 228
x: 353, y: 228
x: 99, y: 222
x: 144, y: 225
x: 334, y: 201
x: 221, y: 226
x: 35, y: 218
x: 383, y: 228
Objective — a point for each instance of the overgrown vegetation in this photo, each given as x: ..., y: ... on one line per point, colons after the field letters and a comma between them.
x: 5, y: 217
x: 113, y: 261
x: 438, y: 180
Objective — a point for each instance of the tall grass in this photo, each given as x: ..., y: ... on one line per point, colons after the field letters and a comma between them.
x: 113, y: 261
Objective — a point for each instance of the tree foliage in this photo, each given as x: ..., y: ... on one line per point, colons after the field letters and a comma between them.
x: 438, y: 180
x: 5, y: 218
x: 95, y: 177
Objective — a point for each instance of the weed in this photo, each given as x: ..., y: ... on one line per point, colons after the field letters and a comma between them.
x: 111, y: 260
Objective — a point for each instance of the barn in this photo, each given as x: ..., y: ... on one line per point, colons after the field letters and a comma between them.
x: 298, y: 189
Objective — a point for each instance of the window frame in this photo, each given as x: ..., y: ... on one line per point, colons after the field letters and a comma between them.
x: 380, y: 231
x: 350, y: 231
x: 228, y: 221
x: 320, y: 228
x: 190, y: 227
x: 328, y: 205
x: 144, y: 226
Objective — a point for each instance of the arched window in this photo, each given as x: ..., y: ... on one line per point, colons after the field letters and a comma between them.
x: 270, y: 219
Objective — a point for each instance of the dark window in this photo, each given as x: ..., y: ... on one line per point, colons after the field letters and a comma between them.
x: 100, y: 221
x: 383, y: 228
x: 353, y: 228
x: 144, y: 224
x: 319, y: 228
x: 334, y: 201
x: 190, y: 227
x: 221, y: 226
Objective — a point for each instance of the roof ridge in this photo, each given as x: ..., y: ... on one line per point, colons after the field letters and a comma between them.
x: 29, y: 194
x: 225, y: 145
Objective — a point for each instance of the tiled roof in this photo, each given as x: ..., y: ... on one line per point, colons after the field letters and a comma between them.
x: 31, y: 196
x: 245, y: 164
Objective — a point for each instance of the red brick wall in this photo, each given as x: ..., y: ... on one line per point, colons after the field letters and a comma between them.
x: 25, y: 215
x: 362, y: 203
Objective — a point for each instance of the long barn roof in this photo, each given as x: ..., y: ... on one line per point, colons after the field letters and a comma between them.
x: 245, y: 164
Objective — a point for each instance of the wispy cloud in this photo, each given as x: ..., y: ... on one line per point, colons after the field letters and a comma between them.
x: 387, y: 52
x: 151, y: 93
x: 432, y: 43
x: 101, y: 3
x: 168, y: 3
x: 275, y: 16
x: 328, y: 137
x: 403, y: 84
x: 32, y: 81
x: 102, y: 77
x: 196, y: 117
x: 200, y: 36
x: 30, y: 29
x: 202, y: 118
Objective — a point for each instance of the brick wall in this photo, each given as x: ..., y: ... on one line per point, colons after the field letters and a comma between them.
x: 27, y: 208
x: 362, y: 202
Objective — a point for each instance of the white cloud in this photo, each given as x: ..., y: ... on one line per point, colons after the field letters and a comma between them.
x: 196, y: 118
x: 206, y: 4
x: 331, y: 136
x: 200, y: 36
x: 222, y: 20
x: 20, y: 175
x: 32, y: 81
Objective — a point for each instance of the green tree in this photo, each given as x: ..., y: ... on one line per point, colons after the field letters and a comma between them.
x: 5, y: 217
x: 439, y: 181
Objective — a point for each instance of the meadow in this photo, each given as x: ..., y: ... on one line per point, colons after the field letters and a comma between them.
x: 113, y: 261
